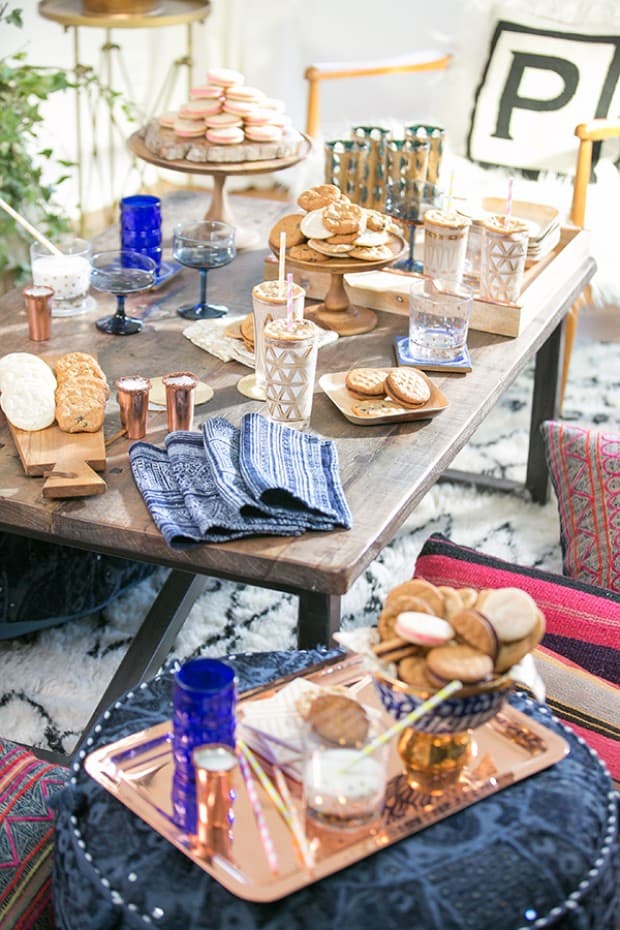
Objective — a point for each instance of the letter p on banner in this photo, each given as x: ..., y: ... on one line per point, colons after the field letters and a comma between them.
x: 540, y: 80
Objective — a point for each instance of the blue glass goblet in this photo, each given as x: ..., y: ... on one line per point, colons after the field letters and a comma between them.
x: 121, y: 272
x: 408, y: 208
x: 204, y: 244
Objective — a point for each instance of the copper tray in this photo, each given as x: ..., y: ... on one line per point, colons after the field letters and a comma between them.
x: 138, y: 771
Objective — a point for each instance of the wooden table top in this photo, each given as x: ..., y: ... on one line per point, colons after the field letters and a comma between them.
x: 386, y: 469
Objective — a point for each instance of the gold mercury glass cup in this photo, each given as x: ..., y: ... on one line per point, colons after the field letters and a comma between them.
x: 445, y: 244
x: 503, y: 253
x: 290, y: 366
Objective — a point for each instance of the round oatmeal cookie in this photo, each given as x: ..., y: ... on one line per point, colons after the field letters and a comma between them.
x: 412, y: 670
x: 233, y: 330
x: 320, y: 196
x: 422, y: 589
x: 407, y: 386
x: 366, y: 382
x: 290, y: 226
x: 338, y: 719
x: 343, y: 218
x: 459, y: 662
x: 346, y: 238
x: 376, y: 221
x: 452, y: 601
x: 372, y: 253
x: 386, y: 625
x: 305, y: 253
x: 512, y: 612
x: 511, y: 653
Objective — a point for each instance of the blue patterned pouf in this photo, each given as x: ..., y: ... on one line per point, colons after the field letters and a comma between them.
x: 542, y: 853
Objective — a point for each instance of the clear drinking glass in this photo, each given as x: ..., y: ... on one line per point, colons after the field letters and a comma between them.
x: 269, y: 299
x: 445, y: 243
x: 68, y: 274
x: 439, y: 314
x: 503, y: 253
x: 203, y: 245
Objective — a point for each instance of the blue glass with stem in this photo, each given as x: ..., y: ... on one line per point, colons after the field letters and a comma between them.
x: 121, y: 272
x: 204, y: 244
x: 408, y: 207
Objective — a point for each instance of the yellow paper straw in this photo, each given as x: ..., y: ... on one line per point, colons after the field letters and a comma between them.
x: 273, y: 795
x: 420, y: 710
x: 281, y: 258
x: 259, y: 817
x: 296, y: 827
x: 450, y: 192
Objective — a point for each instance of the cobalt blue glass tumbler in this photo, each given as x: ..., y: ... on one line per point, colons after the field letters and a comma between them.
x: 204, y: 702
x: 140, y: 223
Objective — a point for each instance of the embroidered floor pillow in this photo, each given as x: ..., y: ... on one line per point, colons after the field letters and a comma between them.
x: 26, y: 837
x: 579, y: 659
x: 584, y: 466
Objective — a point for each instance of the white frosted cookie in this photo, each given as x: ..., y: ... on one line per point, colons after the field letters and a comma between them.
x: 423, y: 629
x: 21, y: 364
x: 312, y: 226
x: 29, y: 403
x: 512, y: 613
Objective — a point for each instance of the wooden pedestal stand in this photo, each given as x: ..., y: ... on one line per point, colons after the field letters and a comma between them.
x: 219, y: 207
x: 336, y: 312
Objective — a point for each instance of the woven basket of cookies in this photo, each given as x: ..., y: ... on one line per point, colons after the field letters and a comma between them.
x: 428, y: 636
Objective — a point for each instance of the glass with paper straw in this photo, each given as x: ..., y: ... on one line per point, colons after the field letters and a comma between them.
x: 503, y: 254
x: 445, y: 241
x: 269, y: 302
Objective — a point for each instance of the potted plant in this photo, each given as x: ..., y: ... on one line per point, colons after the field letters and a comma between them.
x: 23, y: 89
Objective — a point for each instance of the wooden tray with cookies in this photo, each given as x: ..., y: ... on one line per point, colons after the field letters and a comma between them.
x: 138, y: 771
x: 55, y: 411
x: 374, y: 396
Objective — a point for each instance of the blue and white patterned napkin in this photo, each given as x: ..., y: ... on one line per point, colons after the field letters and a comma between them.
x: 262, y: 479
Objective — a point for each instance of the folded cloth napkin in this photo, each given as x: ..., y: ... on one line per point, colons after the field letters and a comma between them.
x: 195, y: 491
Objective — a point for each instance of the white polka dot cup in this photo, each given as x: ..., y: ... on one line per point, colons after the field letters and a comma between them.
x: 68, y: 274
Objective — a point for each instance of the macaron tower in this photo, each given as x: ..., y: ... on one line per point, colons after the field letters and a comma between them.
x: 225, y: 120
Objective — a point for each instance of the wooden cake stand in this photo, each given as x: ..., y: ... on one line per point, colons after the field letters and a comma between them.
x: 336, y: 313
x: 219, y: 207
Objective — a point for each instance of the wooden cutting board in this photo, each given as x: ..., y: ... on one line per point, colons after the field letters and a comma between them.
x: 73, y: 459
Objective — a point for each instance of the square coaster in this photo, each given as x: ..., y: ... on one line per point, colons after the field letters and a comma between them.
x: 403, y: 357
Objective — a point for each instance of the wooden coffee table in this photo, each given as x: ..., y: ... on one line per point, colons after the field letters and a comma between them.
x: 386, y: 470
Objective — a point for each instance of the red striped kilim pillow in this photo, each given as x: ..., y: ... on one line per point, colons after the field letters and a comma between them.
x: 26, y: 838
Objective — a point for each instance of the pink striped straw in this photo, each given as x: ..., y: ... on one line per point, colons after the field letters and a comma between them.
x: 257, y: 810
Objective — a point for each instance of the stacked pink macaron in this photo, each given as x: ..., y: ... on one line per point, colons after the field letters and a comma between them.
x: 228, y: 112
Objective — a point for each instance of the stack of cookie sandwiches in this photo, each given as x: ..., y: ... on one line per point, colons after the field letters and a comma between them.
x: 430, y: 635
x: 331, y: 227
x: 225, y: 120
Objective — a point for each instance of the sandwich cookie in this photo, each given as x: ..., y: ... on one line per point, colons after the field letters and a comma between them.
x: 198, y: 109
x: 220, y: 120
x: 266, y: 133
x: 423, y: 629
x: 188, y: 128
x: 225, y: 135
x: 224, y: 77
x: 207, y: 92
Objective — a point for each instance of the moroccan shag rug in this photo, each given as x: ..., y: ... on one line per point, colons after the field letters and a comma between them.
x: 50, y: 682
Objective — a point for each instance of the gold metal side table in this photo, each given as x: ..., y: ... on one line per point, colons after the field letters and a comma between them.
x: 72, y: 15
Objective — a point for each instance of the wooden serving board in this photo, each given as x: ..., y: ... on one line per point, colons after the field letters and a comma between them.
x: 73, y: 459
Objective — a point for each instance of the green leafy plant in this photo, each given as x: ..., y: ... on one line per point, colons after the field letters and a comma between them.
x: 23, y: 89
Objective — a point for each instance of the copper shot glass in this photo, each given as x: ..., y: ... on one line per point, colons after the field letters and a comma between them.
x: 133, y: 400
x: 214, y: 767
x: 180, y: 389
x: 39, y: 310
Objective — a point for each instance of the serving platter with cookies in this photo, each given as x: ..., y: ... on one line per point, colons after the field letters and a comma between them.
x: 55, y: 410
x: 374, y: 396
x: 138, y: 769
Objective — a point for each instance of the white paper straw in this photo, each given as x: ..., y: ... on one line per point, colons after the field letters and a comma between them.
x: 281, y: 257
x: 259, y: 817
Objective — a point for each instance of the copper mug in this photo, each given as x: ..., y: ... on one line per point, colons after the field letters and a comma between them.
x: 133, y: 400
x: 180, y: 389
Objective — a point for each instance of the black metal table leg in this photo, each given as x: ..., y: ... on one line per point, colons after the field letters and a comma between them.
x: 544, y: 407
x: 318, y: 619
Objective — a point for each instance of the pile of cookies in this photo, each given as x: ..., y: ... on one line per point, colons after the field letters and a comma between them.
x: 380, y: 391
x: 33, y: 397
x: 431, y: 635
x: 224, y: 112
x: 243, y: 330
x: 331, y: 227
